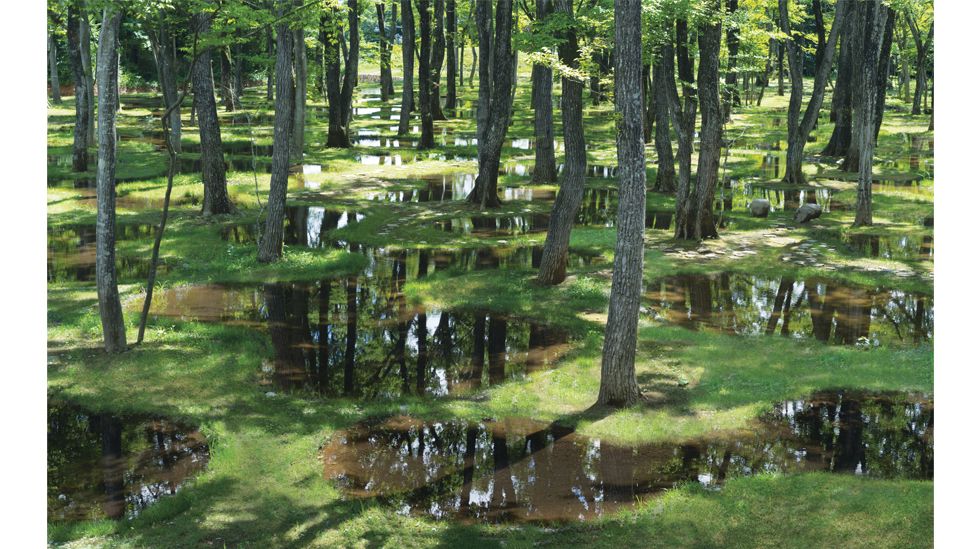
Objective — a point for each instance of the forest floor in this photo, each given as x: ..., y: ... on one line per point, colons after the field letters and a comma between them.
x: 703, y: 361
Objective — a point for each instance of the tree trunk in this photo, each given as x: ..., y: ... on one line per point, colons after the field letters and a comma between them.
x: 710, y: 150
x: 227, y: 92
x: 337, y: 136
x: 159, y: 39
x: 884, y: 66
x: 450, y: 101
x: 731, y: 92
x: 351, y: 77
x: 270, y: 246
x: 485, y: 189
x: 799, y: 129
x: 618, y: 381
x: 85, y: 40
x: 424, y: 71
x: 852, y: 157
x: 875, y: 22
x: 555, y: 253
x: 109, y: 305
x: 483, y: 15
x: 683, y: 121
x: 215, y: 198
x: 297, y: 144
x: 269, y: 40
x: 665, y: 180
x: 780, y: 50
x: 921, y: 60
x: 406, y: 104
x: 840, y: 109
x: 474, y: 64
x: 545, y: 154
x: 386, y: 75
x: 79, y: 157
x: 52, y: 63
x: 437, y: 61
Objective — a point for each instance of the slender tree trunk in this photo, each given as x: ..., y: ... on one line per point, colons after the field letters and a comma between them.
x: 437, y: 61
x: 884, y: 65
x: 269, y: 40
x: 555, y: 253
x: 351, y: 76
x: 52, y: 64
x: 799, y: 129
x: 227, y: 91
x: 215, y: 197
x: 483, y: 13
x: 86, y: 58
x: 731, y: 93
x: 921, y: 61
x: 474, y: 64
x: 109, y: 305
x: 545, y: 154
x: 875, y: 21
x: 763, y: 80
x: 485, y: 189
x: 618, y: 380
x: 386, y: 75
x: 450, y: 101
x: 269, y: 248
x: 406, y: 104
x: 296, y: 146
x: 159, y: 40
x: 683, y: 121
x: 840, y: 110
x: 337, y: 136
x: 780, y: 50
x: 424, y: 71
x: 79, y: 157
x: 665, y: 180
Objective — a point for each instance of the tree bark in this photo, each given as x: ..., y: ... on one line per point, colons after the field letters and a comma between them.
x: 731, y: 92
x: 545, y: 154
x: 875, y: 21
x: 109, y: 305
x: 159, y: 40
x: 386, y: 75
x: 483, y: 15
x: 351, y: 77
x: 437, y: 62
x: 840, y: 109
x: 618, y: 380
x: 884, y: 65
x: 485, y: 189
x: 297, y: 145
x: 683, y: 121
x: 79, y: 157
x: 798, y: 130
x: 406, y: 103
x: 921, y: 60
x: 424, y: 71
x: 85, y: 40
x: 215, y: 197
x: 555, y: 253
x: 337, y: 136
x: 665, y: 179
x: 269, y: 40
x: 270, y: 246
x: 52, y: 64
x: 450, y: 102
x: 710, y: 149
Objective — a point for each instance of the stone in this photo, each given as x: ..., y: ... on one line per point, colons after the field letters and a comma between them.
x: 807, y: 212
x: 759, y: 207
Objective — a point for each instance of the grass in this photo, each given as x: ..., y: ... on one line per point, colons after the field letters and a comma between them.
x: 264, y: 486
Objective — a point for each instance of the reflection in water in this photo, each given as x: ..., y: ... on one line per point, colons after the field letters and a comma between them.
x: 902, y: 248
x: 100, y: 465
x: 71, y: 252
x: 522, y: 470
x: 825, y: 310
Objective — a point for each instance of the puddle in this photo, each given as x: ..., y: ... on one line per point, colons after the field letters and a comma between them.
x: 520, y: 470
x: 71, y: 252
x: 824, y: 310
x: 105, y: 466
x: 910, y: 248
x: 496, y: 226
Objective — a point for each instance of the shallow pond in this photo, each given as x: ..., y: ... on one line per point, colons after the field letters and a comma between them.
x: 820, y: 309
x: 108, y: 466
x: 518, y: 470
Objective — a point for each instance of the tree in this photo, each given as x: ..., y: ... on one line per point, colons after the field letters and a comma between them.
x: 730, y: 94
x: 350, y: 79
x: 502, y: 58
x: 922, y: 46
x: 450, y: 101
x: 545, y: 154
x: 871, y: 23
x: 406, y: 103
x: 386, y: 74
x: 215, y: 197
x: 269, y: 248
x: 164, y: 53
x: 798, y: 130
x: 106, y: 280
x: 682, y: 118
x: 555, y: 253
x: 331, y: 33
x: 83, y: 99
x: 52, y: 58
x: 426, y: 116
x: 300, y: 56
x: 618, y: 380
x: 437, y: 61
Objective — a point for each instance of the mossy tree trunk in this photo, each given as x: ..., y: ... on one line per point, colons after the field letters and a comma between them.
x: 555, y: 253
x: 545, y: 154
x: 424, y: 72
x: 664, y: 181
x: 450, y: 100
x: 618, y: 380
x: 215, y: 197
x: 873, y: 24
x: 269, y: 249
x: 109, y: 305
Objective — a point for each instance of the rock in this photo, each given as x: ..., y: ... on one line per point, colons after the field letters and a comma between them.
x: 759, y: 207
x: 807, y: 212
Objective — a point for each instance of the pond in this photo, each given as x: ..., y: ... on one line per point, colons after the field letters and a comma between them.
x: 114, y: 466
x: 519, y: 470
x: 820, y: 309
